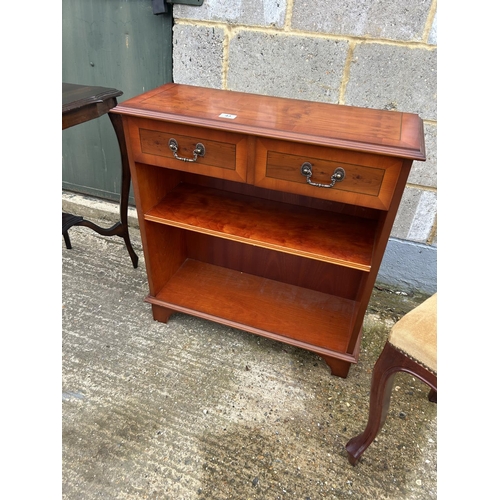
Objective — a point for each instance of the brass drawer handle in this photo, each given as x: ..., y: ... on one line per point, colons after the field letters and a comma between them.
x: 337, y: 176
x: 199, y: 151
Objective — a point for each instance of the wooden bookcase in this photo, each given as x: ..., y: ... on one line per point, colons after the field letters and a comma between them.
x: 267, y: 214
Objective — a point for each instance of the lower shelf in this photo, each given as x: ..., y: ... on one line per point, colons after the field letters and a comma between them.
x: 312, y: 320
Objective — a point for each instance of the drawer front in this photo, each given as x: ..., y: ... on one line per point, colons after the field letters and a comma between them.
x: 190, y: 149
x: 358, y: 178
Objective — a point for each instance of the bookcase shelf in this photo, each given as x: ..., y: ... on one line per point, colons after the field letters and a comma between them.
x: 315, y: 234
x: 259, y: 305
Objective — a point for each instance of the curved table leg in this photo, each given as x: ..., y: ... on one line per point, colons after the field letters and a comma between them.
x: 68, y: 221
x: 67, y: 241
x: 116, y: 121
x: 120, y: 228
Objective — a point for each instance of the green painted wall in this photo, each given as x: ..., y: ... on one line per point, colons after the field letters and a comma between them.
x: 109, y: 43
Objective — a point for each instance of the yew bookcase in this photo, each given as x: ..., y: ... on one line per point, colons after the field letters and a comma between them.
x: 267, y: 214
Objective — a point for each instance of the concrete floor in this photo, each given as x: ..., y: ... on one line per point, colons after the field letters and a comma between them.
x: 195, y: 410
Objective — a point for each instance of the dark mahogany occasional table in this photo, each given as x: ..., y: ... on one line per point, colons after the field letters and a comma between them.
x: 81, y: 103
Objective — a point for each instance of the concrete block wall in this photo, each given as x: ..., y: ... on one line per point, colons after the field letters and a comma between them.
x: 370, y: 53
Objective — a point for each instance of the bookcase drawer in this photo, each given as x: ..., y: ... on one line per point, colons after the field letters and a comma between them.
x: 198, y: 150
x: 327, y: 173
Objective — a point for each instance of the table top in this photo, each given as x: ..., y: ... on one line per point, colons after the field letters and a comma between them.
x: 81, y: 103
x: 75, y: 96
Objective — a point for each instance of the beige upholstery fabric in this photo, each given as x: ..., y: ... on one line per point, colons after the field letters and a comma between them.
x: 416, y: 333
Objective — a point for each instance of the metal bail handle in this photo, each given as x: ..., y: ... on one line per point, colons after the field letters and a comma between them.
x: 338, y: 175
x: 199, y: 151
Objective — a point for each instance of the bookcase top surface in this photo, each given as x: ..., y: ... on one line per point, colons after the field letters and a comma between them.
x: 376, y: 131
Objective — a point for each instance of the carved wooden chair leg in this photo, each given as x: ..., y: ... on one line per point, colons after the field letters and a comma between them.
x: 433, y: 397
x: 390, y: 362
x: 410, y: 348
x: 380, y: 397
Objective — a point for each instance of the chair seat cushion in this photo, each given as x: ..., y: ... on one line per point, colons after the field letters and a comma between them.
x: 416, y: 334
